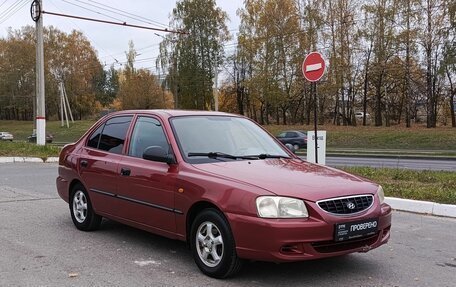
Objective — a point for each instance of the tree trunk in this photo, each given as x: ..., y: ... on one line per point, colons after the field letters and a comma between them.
x: 366, y: 86
x: 378, y: 105
x: 431, y: 116
x: 452, y: 99
x: 407, y: 71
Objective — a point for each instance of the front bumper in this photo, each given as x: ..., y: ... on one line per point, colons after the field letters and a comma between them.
x: 285, y: 240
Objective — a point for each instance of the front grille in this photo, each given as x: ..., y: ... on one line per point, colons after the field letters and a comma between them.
x: 346, y: 205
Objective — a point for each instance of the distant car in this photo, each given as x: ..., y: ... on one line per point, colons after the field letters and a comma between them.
x: 32, y: 138
x: 296, y: 138
x: 6, y: 136
x: 360, y: 115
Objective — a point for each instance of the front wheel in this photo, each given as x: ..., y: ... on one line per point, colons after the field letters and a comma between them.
x: 213, y: 246
x: 82, y: 214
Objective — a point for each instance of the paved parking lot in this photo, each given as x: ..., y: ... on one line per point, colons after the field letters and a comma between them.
x: 40, y: 247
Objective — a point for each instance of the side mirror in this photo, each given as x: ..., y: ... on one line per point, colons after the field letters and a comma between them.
x: 157, y: 153
x: 290, y: 147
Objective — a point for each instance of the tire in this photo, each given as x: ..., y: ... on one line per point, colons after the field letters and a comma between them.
x: 214, y: 252
x: 82, y: 214
x: 296, y: 146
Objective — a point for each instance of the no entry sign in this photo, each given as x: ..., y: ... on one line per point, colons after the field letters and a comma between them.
x: 313, y: 67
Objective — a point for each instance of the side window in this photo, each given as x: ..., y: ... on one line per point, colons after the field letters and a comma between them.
x: 291, y: 135
x: 95, y: 137
x: 282, y: 135
x: 147, y: 132
x: 114, y: 132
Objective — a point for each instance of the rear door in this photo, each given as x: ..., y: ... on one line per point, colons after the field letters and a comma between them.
x: 99, y: 163
x: 147, y: 187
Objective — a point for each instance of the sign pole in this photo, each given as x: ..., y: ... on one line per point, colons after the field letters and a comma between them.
x: 314, y: 90
x: 313, y: 69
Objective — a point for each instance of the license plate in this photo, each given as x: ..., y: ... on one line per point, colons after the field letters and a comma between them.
x: 355, y: 229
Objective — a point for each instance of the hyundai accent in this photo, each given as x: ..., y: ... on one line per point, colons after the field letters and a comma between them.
x: 221, y: 183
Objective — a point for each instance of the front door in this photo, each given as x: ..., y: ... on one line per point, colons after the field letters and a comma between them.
x: 147, y: 187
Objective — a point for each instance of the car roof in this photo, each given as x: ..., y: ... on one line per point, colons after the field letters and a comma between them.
x: 294, y: 131
x: 175, y: 113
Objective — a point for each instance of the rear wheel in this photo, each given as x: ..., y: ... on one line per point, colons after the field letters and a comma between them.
x: 296, y: 146
x: 213, y: 245
x: 82, y: 214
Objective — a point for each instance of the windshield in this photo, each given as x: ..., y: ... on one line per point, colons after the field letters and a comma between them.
x: 205, y: 139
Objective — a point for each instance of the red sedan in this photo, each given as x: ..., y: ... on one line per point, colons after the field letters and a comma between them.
x: 221, y: 183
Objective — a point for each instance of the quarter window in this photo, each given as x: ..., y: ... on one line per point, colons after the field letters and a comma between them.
x: 147, y: 132
x: 95, y: 137
x: 114, y: 132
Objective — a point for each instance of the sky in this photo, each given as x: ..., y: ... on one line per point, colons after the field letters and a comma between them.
x: 110, y: 41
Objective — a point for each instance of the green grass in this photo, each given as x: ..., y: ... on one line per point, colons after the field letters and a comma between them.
x: 27, y: 149
x: 436, y: 186
x: 22, y: 129
x: 370, y: 137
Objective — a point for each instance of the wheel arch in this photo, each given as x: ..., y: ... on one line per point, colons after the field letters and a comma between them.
x: 73, y: 183
x: 194, y: 210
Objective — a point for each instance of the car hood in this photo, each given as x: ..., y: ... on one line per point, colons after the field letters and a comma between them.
x: 291, y: 177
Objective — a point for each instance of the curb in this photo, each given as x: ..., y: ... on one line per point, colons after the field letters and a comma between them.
x: 422, y: 207
x: 17, y: 159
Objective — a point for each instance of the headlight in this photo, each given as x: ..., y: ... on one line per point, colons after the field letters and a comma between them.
x: 381, y: 194
x: 281, y: 207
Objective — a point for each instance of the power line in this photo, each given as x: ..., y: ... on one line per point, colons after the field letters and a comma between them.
x: 7, y: 10
x: 125, y: 24
x: 3, y: 3
x: 87, y: 34
x: 137, y: 50
x: 88, y: 9
x: 130, y: 13
x: 122, y: 13
x: 13, y: 9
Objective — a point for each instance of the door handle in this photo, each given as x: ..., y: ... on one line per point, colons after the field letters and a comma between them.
x: 84, y: 163
x: 125, y: 171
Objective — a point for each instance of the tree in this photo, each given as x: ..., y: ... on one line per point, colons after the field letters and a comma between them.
x: 432, y: 40
x: 449, y: 61
x: 68, y: 57
x: 139, y: 88
x: 267, y: 62
x: 71, y: 59
x: 196, y: 55
x: 106, y: 85
x: 17, y: 77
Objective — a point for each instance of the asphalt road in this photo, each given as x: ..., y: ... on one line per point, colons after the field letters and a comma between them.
x: 403, y: 163
x: 40, y: 247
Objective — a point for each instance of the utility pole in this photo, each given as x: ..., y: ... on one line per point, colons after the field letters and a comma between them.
x: 36, y: 13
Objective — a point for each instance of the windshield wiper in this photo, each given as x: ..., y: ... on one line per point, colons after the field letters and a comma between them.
x: 266, y: 155
x: 220, y: 155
